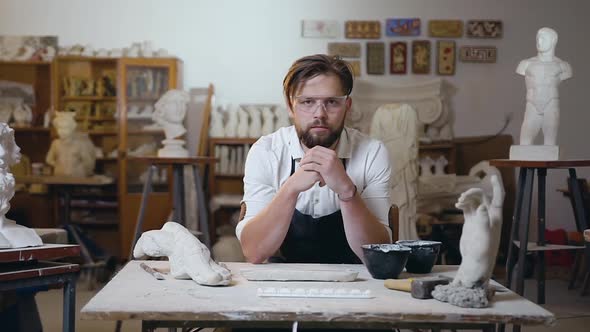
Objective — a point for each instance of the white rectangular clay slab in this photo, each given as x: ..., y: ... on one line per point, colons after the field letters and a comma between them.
x: 298, y: 275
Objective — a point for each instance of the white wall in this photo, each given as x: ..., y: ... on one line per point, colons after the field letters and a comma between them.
x: 245, y: 47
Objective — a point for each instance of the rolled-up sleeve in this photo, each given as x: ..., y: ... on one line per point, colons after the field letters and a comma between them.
x: 376, y: 192
x: 259, y: 187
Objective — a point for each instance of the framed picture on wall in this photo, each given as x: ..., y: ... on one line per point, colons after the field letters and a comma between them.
x: 480, y: 54
x: 319, y: 29
x: 445, y: 63
x: 402, y: 27
x: 376, y: 58
x: 421, y: 57
x: 345, y: 50
x: 363, y: 29
x: 399, y: 58
x: 484, y: 29
x: 445, y: 28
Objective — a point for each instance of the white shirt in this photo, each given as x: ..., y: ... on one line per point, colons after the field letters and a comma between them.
x: 268, y: 166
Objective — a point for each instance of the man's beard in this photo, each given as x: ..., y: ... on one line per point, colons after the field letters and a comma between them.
x: 310, y: 140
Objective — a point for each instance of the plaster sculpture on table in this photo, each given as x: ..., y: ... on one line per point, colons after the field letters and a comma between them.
x: 426, y: 164
x: 282, y: 117
x: 134, y: 50
x: 72, y: 153
x: 23, y: 115
x: 243, y: 123
x: 12, y: 235
x: 188, y: 257
x: 48, y: 53
x: 216, y: 124
x: 88, y: 51
x: 479, y: 245
x: 255, y: 128
x: 161, y: 53
x: 25, y: 53
x: 397, y: 127
x: 6, y: 109
x: 102, y: 53
x: 268, y: 121
x: 231, y: 126
x: 170, y: 112
x: 147, y: 49
x: 543, y: 74
x: 439, y: 165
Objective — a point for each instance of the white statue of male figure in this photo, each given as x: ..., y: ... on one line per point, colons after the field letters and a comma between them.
x: 542, y: 73
x: 12, y: 235
x: 170, y: 112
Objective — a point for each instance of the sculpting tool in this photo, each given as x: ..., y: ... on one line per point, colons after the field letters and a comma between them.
x: 151, y: 271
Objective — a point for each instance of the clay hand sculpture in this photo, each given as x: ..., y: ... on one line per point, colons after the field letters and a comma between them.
x: 479, y: 246
x: 397, y: 126
x: 243, y: 124
x: 543, y: 74
x: 282, y: 118
x: 188, y: 257
x: 12, y: 235
x: 72, y: 153
x: 170, y: 112
x: 268, y: 121
x: 255, y: 129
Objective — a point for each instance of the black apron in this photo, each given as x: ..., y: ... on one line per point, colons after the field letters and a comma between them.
x: 316, y: 240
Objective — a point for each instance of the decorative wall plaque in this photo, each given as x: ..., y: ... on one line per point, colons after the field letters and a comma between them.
x: 445, y: 57
x: 319, y: 29
x: 421, y: 57
x: 356, y: 67
x: 345, y: 50
x: 401, y: 27
x: 485, y: 54
x: 399, y: 58
x: 376, y: 58
x: 445, y: 28
x: 484, y: 29
x: 363, y: 29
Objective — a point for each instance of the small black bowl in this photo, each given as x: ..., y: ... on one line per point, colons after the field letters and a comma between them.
x: 385, y: 261
x: 423, y: 256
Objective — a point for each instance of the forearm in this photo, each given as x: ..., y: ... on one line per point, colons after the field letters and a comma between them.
x: 263, y: 235
x: 361, y: 226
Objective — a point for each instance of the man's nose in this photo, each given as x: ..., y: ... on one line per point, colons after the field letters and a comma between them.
x: 320, y: 109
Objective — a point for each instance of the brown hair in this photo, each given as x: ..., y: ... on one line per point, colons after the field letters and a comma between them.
x: 311, y: 66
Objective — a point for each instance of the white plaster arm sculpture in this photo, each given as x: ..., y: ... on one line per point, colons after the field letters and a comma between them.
x: 479, y: 246
x: 188, y: 257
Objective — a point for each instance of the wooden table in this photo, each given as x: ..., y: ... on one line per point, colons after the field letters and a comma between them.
x: 25, y: 267
x: 522, y: 213
x: 135, y: 294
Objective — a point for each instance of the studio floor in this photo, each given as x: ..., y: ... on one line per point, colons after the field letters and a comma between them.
x: 571, y: 309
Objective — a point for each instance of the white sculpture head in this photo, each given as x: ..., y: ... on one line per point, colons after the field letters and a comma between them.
x: 65, y: 124
x: 170, y: 112
x: 7, y: 189
x: 9, y: 151
x: 546, y: 40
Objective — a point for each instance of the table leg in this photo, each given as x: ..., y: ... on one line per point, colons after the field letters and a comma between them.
x: 147, y: 188
x: 542, y: 175
x: 510, y: 260
x: 178, y: 196
x: 578, y: 201
x: 69, y: 305
x: 202, y: 207
x: 523, y: 232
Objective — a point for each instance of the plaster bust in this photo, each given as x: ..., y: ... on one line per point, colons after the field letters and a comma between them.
x: 72, y: 153
x: 11, y: 234
x: 170, y: 112
x: 542, y: 73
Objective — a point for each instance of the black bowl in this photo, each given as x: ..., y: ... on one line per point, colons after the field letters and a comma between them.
x: 423, y: 256
x: 385, y: 261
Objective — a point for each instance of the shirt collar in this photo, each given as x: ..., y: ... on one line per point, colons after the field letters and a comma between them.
x: 343, y: 149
